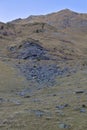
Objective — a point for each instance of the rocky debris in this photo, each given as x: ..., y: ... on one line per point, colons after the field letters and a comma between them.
x: 16, y: 102
x: 26, y: 93
x: 38, y: 113
x: 33, y: 55
x: 44, y: 75
x: 1, y: 99
x: 62, y: 106
x: 83, y: 110
x: 64, y: 126
x: 28, y: 50
x: 13, y: 101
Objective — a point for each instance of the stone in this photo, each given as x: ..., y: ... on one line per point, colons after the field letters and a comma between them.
x: 82, y: 110
x: 16, y: 102
x: 1, y: 100
x: 64, y: 126
x: 79, y: 91
x: 62, y: 106
x: 38, y: 113
x: 27, y: 96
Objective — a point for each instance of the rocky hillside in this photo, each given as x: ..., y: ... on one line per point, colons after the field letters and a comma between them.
x: 43, y: 66
x: 52, y: 30
x: 54, y: 38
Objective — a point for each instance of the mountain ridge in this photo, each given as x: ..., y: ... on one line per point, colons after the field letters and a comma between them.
x: 64, y: 11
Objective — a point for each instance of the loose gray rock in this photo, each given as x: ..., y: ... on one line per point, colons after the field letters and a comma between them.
x: 62, y: 106
x: 1, y: 100
x: 64, y: 126
x: 38, y: 113
x: 82, y: 110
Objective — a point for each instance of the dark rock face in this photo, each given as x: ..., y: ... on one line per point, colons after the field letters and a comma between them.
x: 31, y: 50
x: 28, y: 50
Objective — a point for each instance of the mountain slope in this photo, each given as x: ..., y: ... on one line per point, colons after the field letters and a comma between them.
x: 64, y: 26
x: 62, y: 19
x: 43, y: 72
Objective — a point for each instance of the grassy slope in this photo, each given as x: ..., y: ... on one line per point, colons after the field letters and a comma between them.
x: 10, y: 78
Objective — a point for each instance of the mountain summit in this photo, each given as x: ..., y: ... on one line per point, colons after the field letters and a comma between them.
x: 61, y: 19
x: 38, y: 18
